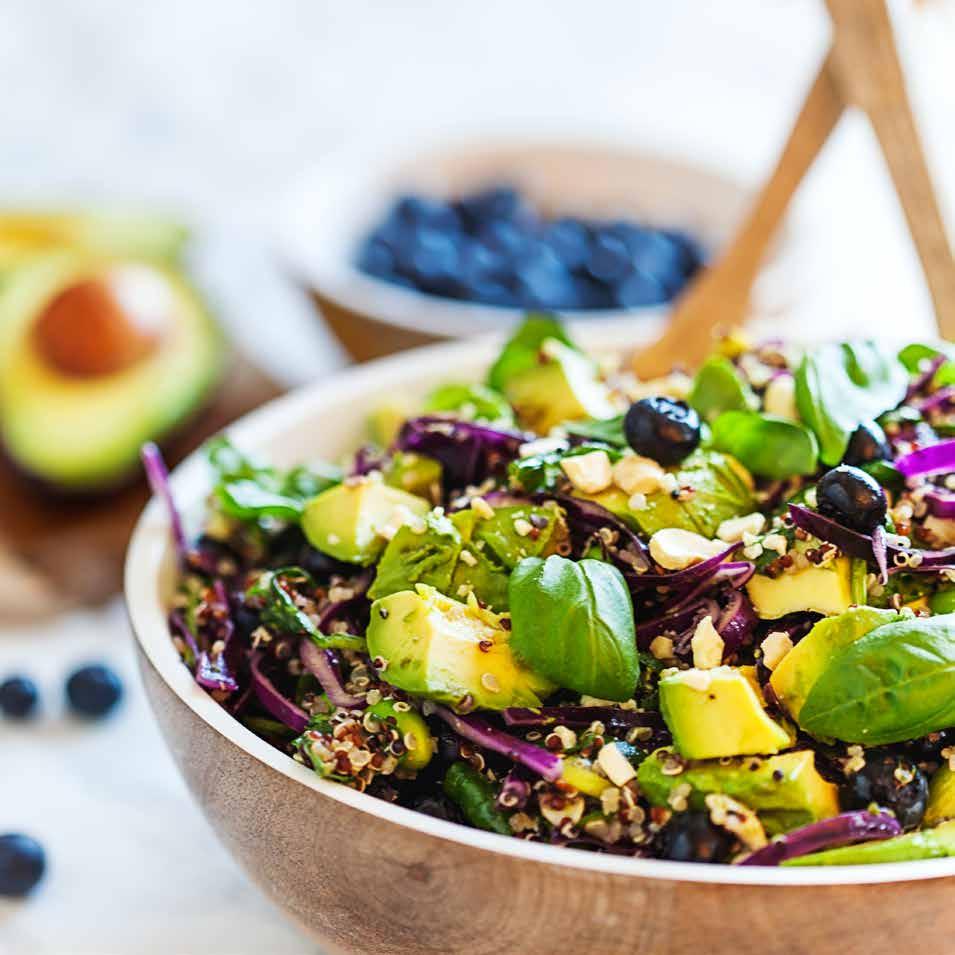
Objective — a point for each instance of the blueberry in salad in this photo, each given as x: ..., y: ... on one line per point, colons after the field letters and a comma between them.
x: 22, y: 864
x: 705, y: 618
x: 493, y: 247
x: 19, y: 698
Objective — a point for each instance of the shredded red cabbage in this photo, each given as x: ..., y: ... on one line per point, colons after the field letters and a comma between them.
x: 861, y: 826
x: 285, y: 711
x: 922, y: 380
x: 319, y: 663
x: 943, y: 396
x: 158, y: 476
x: 879, y: 552
x: 736, y: 623
x: 682, y: 580
x: 478, y: 730
x: 468, y: 452
x: 934, y: 459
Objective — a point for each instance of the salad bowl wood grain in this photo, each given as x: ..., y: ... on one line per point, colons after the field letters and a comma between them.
x: 366, y: 876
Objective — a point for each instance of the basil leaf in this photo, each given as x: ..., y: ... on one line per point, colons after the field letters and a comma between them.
x: 521, y: 350
x: 606, y: 430
x: 572, y: 622
x: 473, y: 403
x: 718, y: 387
x: 247, y: 500
x: 838, y: 386
x: 895, y: 683
x: 765, y: 444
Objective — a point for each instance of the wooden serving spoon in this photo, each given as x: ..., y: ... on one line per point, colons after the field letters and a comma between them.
x: 862, y: 68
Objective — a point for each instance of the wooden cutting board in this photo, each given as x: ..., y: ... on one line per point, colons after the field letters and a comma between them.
x: 57, y: 553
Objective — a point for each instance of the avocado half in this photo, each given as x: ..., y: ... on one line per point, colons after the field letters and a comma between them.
x: 83, y: 433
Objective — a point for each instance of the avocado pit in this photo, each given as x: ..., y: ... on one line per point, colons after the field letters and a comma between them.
x: 102, y: 325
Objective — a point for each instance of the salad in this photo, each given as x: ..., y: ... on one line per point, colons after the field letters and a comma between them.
x: 705, y: 618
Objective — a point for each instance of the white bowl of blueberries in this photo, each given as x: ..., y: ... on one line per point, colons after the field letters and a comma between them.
x: 458, y: 241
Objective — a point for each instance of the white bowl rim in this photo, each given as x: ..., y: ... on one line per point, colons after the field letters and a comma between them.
x: 149, y: 552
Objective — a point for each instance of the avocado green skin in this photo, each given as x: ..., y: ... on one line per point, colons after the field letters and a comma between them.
x: 52, y: 425
x: 941, y: 797
x: 928, y: 844
x: 801, y: 796
x: 473, y: 794
x: 408, y: 722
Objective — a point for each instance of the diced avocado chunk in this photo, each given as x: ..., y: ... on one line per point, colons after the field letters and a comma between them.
x: 827, y: 589
x: 419, y: 558
x: 928, y: 844
x: 786, y: 790
x: 386, y: 420
x: 449, y: 651
x: 798, y: 671
x: 346, y: 521
x: 719, y: 712
x: 519, y: 531
x: 414, y: 732
x: 941, y: 796
x: 562, y: 386
x: 413, y: 473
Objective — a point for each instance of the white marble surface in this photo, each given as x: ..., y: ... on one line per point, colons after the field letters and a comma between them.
x: 215, y: 108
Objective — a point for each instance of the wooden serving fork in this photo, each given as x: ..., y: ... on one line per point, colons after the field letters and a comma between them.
x: 862, y: 68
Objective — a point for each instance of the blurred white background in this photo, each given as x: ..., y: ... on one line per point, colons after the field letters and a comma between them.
x: 215, y: 108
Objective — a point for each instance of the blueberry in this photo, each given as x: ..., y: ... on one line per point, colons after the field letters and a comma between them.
x: 434, y: 261
x: 570, y: 241
x: 94, y: 690
x: 662, y: 428
x: 640, y: 289
x: 691, y: 837
x: 891, y: 782
x: 609, y: 259
x: 22, y: 863
x: 376, y: 258
x: 497, y: 202
x: 543, y: 282
x: 433, y: 213
x: 868, y: 443
x: 18, y: 697
x: 506, y: 238
x: 851, y: 497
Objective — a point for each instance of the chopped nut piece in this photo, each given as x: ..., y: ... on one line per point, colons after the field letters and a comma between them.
x: 707, y: 645
x: 590, y: 473
x: 468, y: 558
x: 662, y: 648
x: 697, y: 679
x: 775, y: 542
x: 637, y: 475
x: 555, y: 809
x: 733, y: 530
x: 856, y: 760
x: 615, y: 764
x: 676, y: 549
x: 482, y: 508
x: 733, y: 816
x: 776, y: 645
x: 637, y: 502
x: 522, y: 527
x: 780, y: 398
x: 610, y: 801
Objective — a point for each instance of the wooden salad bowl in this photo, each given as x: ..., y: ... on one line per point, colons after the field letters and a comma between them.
x: 365, y: 876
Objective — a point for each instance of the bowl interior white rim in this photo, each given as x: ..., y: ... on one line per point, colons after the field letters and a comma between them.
x: 148, y: 565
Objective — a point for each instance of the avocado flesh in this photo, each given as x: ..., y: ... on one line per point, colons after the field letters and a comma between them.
x: 346, y: 520
x: 719, y: 712
x: 386, y: 420
x: 25, y: 234
x: 827, y: 590
x: 797, y: 672
x: 445, y: 650
x: 786, y: 790
x: 84, y: 433
x: 941, y: 797
x: 562, y: 387
x: 413, y: 473
x: 934, y: 843
x: 413, y: 730
x: 722, y: 488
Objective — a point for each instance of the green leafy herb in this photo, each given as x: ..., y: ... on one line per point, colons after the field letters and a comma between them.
x: 912, y: 356
x: 249, y: 491
x: 573, y: 623
x: 766, y: 445
x: 275, y: 592
x: 473, y: 402
x: 838, y: 386
x: 895, y: 683
x: 606, y: 430
x: 719, y: 387
x: 542, y: 472
x: 521, y: 351
x: 473, y: 794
